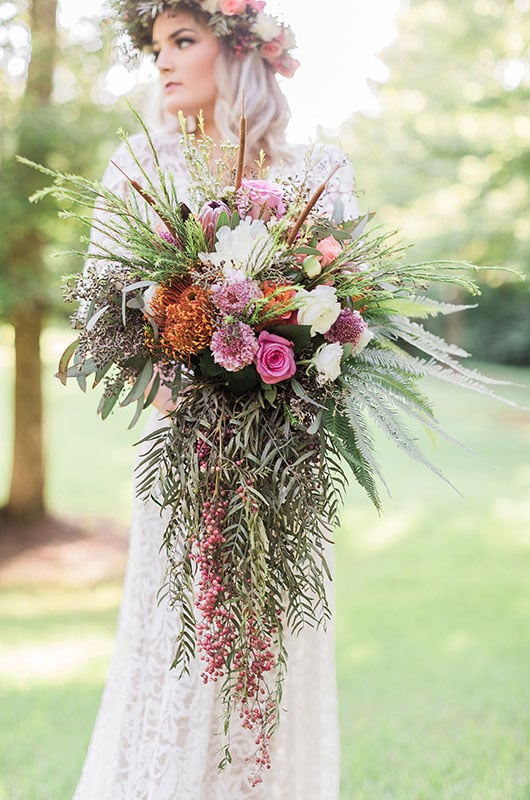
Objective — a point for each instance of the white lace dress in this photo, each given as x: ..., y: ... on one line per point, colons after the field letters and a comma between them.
x: 156, y: 736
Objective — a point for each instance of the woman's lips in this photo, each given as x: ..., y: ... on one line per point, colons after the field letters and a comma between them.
x: 171, y: 85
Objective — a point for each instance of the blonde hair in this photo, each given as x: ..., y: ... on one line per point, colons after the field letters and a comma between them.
x: 248, y: 77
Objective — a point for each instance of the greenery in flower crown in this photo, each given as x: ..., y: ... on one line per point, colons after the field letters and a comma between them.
x: 284, y: 335
x: 242, y: 25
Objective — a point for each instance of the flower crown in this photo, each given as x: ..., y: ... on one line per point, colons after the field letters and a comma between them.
x: 242, y: 24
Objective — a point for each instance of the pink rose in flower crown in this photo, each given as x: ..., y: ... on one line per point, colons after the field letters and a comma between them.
x: 330, y: 249
x: 232, y: 7
x: 275, y: 358
x: 272, y: 50
x: 287, y: 66
x: 260, y: 199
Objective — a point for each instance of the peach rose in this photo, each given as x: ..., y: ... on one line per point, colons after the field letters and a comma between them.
x: 330, y: 249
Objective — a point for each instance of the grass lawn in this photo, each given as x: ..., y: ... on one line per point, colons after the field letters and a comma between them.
x: 433, y: 611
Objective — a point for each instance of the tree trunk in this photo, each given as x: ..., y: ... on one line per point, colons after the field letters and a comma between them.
x: 26, y: 499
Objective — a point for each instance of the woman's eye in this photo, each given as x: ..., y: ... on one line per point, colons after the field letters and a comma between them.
x: 180, y: 44
x: 184, y: 42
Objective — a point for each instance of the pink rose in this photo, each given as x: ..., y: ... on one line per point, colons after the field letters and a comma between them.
x: 259, y: 199
x: 330, y: 249
x: 257, y: 5
x: 275, y: 358
x: 232, y: 7
x: 287, y: 66
x: 271, y: 51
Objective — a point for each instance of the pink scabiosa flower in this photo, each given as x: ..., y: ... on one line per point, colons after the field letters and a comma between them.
x: 208, y: 217
x: 234, y: 298
x: 260, y: 199
x: 348, y: 327
x: 234, y: 346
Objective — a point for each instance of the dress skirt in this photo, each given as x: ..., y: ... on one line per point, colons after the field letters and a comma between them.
x: 157, y: 736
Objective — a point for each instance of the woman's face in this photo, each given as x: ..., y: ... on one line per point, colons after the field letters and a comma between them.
x: 185, y: 54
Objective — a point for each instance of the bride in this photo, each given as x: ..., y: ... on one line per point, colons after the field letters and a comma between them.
x: 157, y: 736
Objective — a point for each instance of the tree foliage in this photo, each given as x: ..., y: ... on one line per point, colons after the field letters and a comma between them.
x: 49, y: 116
x: 448, y: 162
x: 69, y: 130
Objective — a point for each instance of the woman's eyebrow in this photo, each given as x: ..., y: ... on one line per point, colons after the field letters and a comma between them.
x: 175, y: 34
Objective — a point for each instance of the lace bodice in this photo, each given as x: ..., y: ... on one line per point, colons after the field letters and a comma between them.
x: 322, y: 160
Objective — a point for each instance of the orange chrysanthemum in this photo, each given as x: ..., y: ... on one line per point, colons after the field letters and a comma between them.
x: 188, y: 325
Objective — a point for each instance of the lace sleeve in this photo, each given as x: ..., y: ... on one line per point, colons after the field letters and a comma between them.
x: 341, y: 186
x: 101, y: 238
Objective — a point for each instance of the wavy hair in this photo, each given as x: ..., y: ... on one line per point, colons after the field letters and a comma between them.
x: 248, y: 77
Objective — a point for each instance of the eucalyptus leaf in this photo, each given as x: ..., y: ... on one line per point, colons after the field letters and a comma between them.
x: 136, y: 302
x: 137, y: 413
x: 65, y: 360
x: 107, y: 404
x: 140, y: 385
x: 153, y: 391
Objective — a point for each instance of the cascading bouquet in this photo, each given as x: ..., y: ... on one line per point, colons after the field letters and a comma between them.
x: 281, y: 334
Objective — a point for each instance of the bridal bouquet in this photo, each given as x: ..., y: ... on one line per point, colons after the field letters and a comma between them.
x: 282, y: 333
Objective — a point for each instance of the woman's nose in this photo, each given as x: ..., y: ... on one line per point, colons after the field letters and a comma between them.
x: 163, y: 61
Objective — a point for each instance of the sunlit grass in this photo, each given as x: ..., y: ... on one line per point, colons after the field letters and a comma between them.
x: 433, y: 614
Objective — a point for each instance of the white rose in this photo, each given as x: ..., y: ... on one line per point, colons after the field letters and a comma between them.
x: 327, y: 362
x: 366, y: 335
x: 288, y: 39
x: 319, y: 308
x: 247, y: 246
x: 266, y: 27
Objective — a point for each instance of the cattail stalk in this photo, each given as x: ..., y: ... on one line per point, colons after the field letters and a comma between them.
x: 310, y: 204
x: 149, y: 200
x: 242, y: 145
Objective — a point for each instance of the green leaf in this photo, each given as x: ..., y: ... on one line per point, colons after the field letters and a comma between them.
x: 107, y: 404
x: 209, y: 368
x: 136, y: 417
x: 300, y: 335
x: 65, y: 360
x: 153, y: 391
x: 140, y: 385
x: 244, y: 381
x: 136, y: 302
x: 223, y: 220
x: 419, y: 307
